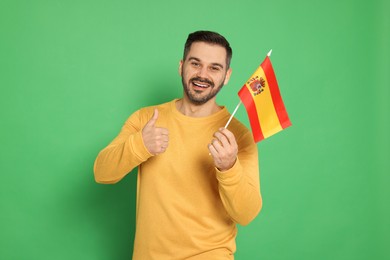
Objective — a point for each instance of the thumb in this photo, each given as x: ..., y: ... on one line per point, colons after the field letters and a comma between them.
x: 153, y: 120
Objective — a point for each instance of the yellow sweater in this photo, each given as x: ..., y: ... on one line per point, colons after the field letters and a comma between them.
x: 186, y: 208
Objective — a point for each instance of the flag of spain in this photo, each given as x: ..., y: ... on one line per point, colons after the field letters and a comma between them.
x: 263, y: 102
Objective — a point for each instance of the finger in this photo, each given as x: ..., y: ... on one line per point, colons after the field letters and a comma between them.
x: 153, y: 120
x: 163, y: 148
x: 230, y: 137
x: 217, y: 145
x: 161, y: 136
x: 160, y: 151
x: 163, y: 139
x: 164, y: 143
x: 212, y: 150
x: 222, y: 139
x: 162, y: 131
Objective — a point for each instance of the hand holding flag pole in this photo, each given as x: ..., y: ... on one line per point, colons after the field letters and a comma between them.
x: 263, y: 102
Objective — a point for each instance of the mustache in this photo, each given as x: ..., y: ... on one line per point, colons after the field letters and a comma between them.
x: 203, y: 80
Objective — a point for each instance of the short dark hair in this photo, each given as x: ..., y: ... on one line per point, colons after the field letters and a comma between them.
x: 208, y: 37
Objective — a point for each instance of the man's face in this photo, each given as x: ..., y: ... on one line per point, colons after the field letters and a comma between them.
x: 204, y: 72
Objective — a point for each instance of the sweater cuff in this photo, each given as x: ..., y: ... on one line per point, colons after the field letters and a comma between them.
x: 231, y: 176
x: 138, y: 147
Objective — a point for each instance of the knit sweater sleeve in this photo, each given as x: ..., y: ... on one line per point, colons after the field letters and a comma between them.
x: 123, y: 154
x: 239, y: 187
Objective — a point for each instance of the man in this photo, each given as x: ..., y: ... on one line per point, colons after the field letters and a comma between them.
x: 196, y: 180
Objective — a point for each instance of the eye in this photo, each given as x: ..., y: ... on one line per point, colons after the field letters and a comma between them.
x: 195, y: 64
x: 215, y: 68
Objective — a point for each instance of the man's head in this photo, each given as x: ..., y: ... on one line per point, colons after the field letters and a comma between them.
x: 211, y: 38
x: 205, y: 67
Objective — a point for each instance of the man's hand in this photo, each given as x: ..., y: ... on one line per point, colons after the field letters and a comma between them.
x: 224, y: 149
x: 155, y: 138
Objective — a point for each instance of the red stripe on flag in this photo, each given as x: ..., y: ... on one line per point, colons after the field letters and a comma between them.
x: 275, y: 93
x: 247, y: 98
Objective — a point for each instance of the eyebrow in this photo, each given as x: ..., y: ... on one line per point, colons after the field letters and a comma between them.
x: 214, y: 63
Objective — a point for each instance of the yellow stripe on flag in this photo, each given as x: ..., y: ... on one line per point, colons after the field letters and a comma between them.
x: 265, y: 108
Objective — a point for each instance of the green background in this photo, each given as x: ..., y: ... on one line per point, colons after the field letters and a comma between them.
x: 71, y: 72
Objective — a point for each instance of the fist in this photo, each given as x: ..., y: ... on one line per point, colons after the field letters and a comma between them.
x: 223, y: 148
x: 156, y: 139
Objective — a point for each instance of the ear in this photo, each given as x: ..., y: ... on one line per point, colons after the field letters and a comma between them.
x: 180, y: 67
x: 227, y: 77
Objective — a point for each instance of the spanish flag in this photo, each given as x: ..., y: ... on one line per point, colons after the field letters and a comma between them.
x: 263, y: 102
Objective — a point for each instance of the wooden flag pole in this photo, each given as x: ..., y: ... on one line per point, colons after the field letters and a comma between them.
x: 238, y: 105
x: 231, y: 117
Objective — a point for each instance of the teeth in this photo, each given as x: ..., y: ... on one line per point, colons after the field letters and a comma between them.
x: 200, y: 85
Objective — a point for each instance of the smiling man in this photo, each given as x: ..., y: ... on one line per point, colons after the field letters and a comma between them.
x: 196, y: 179
x: 204, y: 74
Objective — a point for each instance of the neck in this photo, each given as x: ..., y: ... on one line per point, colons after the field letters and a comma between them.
x: 189, y: 109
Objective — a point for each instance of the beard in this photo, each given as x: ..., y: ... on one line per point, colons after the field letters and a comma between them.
x: 197, y: 98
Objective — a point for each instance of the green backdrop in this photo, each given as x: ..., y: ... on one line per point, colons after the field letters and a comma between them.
x: 73, y: 71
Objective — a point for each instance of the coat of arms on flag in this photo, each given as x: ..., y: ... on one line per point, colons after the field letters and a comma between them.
x: 257, y: 85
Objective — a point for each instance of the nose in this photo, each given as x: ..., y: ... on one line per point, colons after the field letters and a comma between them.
x: 202, y: 72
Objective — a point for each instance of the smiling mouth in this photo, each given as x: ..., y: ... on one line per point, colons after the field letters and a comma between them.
x: 201, y: 83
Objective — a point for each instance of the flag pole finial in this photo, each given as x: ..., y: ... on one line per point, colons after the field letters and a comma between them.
x: 269, y: 53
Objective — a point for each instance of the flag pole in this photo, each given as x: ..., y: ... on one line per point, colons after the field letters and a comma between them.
x: 238, y: 105
x: 231, y: 117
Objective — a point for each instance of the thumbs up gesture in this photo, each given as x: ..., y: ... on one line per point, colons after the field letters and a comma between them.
x: 156, y: 139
